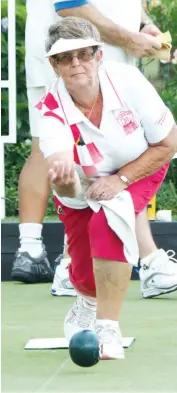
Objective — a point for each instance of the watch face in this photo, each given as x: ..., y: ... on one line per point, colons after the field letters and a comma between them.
x: 124, y: 179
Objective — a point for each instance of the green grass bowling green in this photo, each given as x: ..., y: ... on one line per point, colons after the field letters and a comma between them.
x: 29, y: 311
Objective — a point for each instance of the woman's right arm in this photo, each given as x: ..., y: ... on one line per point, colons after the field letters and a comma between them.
x: 56, y: 143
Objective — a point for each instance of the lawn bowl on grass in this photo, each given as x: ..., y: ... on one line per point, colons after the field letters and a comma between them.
x: 84, y: 348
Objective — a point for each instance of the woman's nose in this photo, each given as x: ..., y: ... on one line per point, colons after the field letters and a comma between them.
x: 75, y: 61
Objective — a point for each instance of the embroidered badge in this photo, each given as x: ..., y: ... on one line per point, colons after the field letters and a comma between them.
x: 60, y: 210
x: 127, y: 121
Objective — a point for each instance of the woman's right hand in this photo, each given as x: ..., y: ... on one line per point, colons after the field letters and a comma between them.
x: 62, y: 173
x: 64, y: 178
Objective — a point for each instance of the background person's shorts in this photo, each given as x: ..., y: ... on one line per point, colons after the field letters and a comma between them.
x: 39, y: 78
x: 89, y: 235
x: 34, y: 95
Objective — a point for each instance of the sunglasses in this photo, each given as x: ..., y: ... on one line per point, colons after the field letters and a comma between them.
x: 83, y: 55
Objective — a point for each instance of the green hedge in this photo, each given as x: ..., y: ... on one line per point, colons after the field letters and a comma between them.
x: 15, y: 155
x: 164, y: 16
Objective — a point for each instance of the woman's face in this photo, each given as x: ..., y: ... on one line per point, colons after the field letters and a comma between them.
x: 78, y: 68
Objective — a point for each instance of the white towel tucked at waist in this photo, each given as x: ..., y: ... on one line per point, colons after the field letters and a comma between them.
x: 120, y: 216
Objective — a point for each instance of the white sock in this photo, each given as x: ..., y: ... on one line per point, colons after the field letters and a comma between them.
x: 147, y: 260
x: 30, y: 239
x: 65, y: 243
x: 89, y: 300
x: 105, y: 322
x: 65, y: 262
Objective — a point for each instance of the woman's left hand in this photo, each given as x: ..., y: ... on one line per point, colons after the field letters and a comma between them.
x: 105, y: 188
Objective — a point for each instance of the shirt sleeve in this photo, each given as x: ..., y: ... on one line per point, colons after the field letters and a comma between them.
x: 156, y: 118
x: 61, y: 5
x: 54, y: 136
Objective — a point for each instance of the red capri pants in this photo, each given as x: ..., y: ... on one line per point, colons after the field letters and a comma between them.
x: 89, y: 235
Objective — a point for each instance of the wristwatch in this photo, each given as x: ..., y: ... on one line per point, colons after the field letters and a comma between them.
x: 124, y: 179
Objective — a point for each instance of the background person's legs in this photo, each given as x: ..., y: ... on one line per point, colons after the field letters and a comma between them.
x: 145, y: 240
x: 34, y: 187
x: 158, y: 273
x: 33, y: 198
x: 31, y: 264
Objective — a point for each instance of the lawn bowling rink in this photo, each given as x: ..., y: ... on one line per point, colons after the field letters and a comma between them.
x: 29, y: 311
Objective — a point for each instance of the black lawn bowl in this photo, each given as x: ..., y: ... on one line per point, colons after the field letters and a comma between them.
x: 84, y: 348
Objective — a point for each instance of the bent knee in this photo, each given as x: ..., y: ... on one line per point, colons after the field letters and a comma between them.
x: 36, y: 154
x: 35, y: 149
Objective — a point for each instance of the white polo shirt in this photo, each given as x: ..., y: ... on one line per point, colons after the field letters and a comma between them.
x: 41, y: 14
x: 133, y: 116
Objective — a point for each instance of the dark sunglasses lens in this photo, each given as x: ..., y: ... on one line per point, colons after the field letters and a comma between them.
x: 67, y: 59
x: 82, y: 55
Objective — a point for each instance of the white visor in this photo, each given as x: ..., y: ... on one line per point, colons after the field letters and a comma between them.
x: 65, y: 45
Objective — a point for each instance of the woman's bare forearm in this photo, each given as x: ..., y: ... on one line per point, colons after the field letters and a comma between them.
x: 152, y: 159
x: 148, y: 163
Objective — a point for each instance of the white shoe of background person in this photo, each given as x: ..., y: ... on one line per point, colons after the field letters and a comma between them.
x: 110, y: 340
x: 61, y: 284
x: 158, y: 274
x: 81, y: 316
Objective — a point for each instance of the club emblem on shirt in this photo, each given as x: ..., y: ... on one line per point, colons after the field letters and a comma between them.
x: 127, y: 121
x: 60, y: 210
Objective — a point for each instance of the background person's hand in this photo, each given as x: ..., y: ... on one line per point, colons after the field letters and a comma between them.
x: 144, y: 45
x: 105, y: 188
x: 151, y: 29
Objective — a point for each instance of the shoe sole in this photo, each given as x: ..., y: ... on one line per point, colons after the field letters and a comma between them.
x: 63, y: 292
x: 26, y: 278
x: 149, y: 294
x: 106, y: 357
x: 115, y: 356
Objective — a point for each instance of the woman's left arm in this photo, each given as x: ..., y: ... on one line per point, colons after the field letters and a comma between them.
x: 152, y: 159
x: 159, y: 127
x: 149, y: 162
x: 160, y: 132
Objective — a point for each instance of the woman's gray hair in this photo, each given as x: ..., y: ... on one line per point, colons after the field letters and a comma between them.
x: 71, y: 27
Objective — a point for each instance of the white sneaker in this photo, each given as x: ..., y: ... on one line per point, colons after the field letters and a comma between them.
x: 82, y: 316
x: 61, y: 284
x: 110, y: 341
x: 160, y: 275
